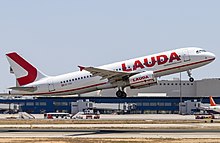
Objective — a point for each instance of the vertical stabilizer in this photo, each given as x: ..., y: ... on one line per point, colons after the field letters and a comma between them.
x: 25, y: 73
x: 212, y: 102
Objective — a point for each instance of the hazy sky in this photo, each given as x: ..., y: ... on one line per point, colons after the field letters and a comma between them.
x: 58, y: 35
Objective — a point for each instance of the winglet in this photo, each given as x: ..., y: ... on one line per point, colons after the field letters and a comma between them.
x: 212, y: 102
x: 81, y: 68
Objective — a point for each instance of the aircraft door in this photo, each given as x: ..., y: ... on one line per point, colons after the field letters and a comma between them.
x: 51, y: 86
x: 186, y: 56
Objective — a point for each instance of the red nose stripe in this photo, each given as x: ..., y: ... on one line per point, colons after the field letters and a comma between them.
x: 32, y: 71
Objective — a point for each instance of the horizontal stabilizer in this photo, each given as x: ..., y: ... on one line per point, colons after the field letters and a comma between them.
x: 11, y: 71
x: 28, y: 89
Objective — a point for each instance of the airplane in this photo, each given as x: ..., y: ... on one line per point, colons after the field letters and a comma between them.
x: 134, y: 73
x: 213, y: 106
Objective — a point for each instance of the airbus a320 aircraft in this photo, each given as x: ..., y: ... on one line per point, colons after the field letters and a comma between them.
x: 212, y: 107
x: 134, y: 73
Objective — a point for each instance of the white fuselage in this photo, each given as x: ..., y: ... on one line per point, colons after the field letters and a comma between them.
x: 214, y: 108
x: 161, y: 64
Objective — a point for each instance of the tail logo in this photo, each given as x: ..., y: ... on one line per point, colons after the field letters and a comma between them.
x: 212, y: 102
x: 32, y: 71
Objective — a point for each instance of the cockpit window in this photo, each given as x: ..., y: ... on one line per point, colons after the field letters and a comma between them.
x: 200, y: 51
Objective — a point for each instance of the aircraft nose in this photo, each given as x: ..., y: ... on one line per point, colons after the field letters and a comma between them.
x: 211, y: 55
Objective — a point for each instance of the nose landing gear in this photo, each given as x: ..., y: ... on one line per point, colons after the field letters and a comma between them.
x: 191, y: 79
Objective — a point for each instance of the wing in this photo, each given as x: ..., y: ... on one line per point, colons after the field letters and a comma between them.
x: 112, y: 76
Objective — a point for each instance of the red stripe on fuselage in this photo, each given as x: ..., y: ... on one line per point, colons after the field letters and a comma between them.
x: 184, y: 65
x: 71, y: 90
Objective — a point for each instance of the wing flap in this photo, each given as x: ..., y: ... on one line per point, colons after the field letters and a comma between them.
x: 112, y: 76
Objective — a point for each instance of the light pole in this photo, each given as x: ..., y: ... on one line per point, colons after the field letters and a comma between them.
x: 181, y: 100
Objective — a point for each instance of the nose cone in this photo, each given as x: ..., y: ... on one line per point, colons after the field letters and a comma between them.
x: 211, y: 56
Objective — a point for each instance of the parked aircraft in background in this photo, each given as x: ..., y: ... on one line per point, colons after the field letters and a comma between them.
x: 210, y: 108
x: 134, y: 73
x: 213, y: 106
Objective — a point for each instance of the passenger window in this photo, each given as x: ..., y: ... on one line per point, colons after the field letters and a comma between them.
x: 78, y: 78
x: 81, y: 77
x: 84, y: 76
x: 66, y: 80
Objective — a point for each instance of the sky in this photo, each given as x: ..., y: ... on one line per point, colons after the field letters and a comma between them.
x: 58, y: 35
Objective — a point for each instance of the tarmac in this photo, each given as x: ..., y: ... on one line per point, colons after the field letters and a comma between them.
x: 123, y: 117
x: 125, y: 133
x: 102, y: 130
x: 113, y: 126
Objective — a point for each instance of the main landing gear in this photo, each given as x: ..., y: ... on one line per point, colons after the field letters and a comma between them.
x: 121, y: 94
x: 191, y: 79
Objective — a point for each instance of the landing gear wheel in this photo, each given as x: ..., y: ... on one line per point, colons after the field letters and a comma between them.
x: 124, y: 95
x: 191, y: 79
x: 121, y: 94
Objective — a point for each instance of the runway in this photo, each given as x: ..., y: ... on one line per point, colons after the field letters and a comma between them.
x: 112, y: 127
x: 116, y: 133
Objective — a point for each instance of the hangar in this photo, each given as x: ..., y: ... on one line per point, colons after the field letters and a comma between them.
x: 163, y: 98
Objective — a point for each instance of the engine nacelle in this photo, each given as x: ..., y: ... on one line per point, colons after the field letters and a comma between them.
x: 143, y: 79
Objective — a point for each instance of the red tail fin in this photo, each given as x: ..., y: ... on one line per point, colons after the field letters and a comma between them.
x: 212, y: 102
x: 25, y: 73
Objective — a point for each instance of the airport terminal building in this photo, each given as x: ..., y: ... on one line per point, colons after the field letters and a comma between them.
x: 161, y: 98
